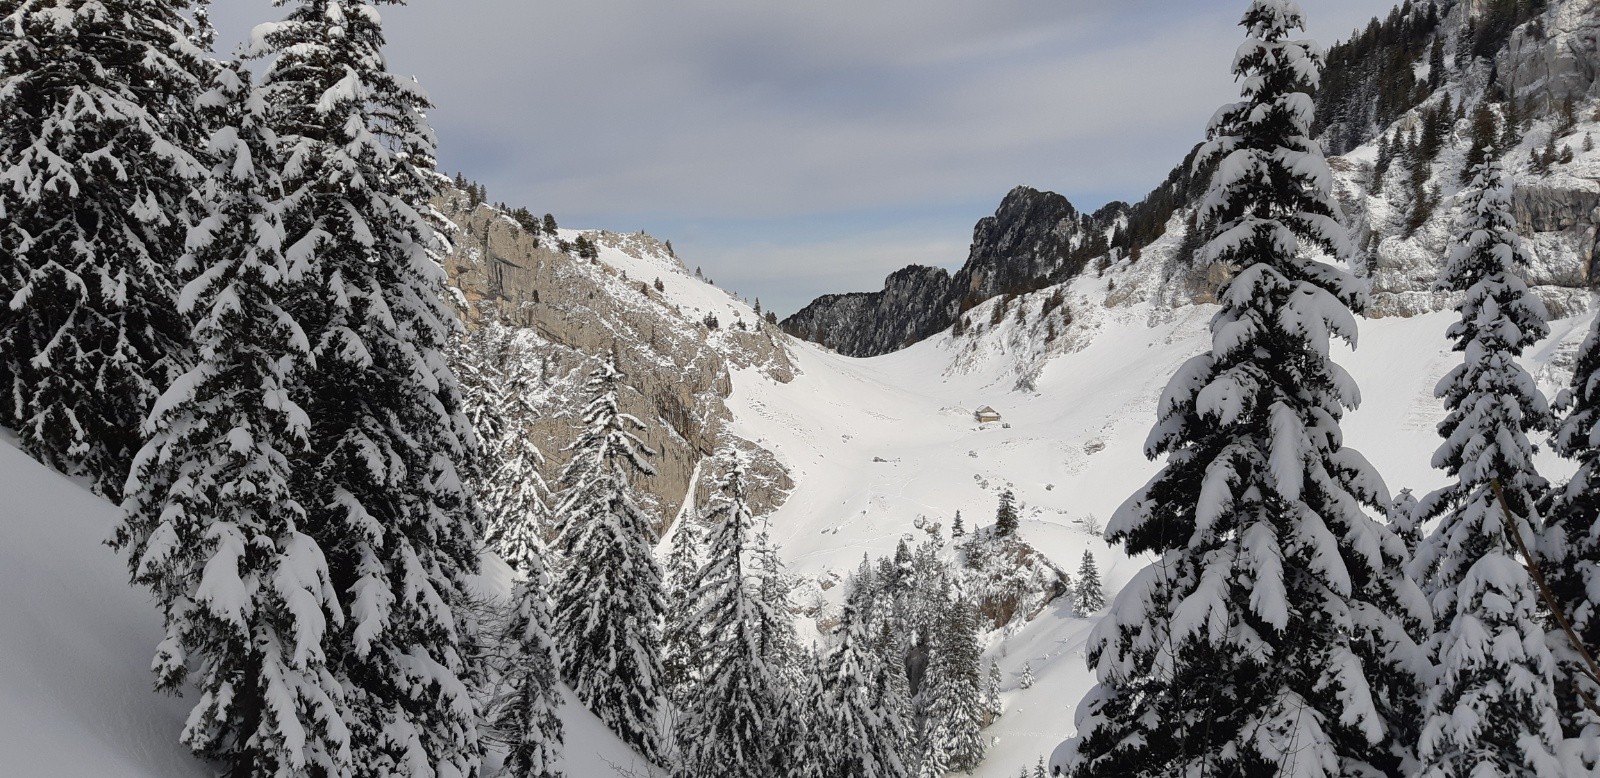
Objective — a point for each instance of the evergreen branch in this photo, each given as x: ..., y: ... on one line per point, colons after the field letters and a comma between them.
x: 1590, y: 669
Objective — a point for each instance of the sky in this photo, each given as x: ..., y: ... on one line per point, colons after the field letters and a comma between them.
x: 796, y: 149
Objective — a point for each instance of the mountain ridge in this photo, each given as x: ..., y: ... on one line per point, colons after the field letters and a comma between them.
x: 1377, y: 83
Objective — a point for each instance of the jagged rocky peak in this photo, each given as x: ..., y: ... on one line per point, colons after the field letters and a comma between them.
x: 863, y: 324
x: 1033, y: 240
x: 1023, y: 246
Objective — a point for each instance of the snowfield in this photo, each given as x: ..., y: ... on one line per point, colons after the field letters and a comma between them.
x: 75, y: 640
x: 882, y: 447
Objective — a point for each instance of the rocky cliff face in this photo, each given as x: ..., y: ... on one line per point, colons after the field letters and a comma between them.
x: 1554, y: 58
x: 579, y: 310
x: 1028, y: 244
x: 1024, y: 246
x: 911, y: 307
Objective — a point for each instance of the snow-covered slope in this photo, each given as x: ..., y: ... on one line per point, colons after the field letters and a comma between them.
x: 76, y: 643
x: 881, y: 447
x: 75, y: 640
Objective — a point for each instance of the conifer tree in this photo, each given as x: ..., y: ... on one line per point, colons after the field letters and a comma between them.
x: 891, y: 689
x: 778, y: 644
x: 1026, y: 682
x: 932, y: 753
x: 809, y: 747
x: 1436, y: 71
x: 1402, y: 515
x: 1268, y: 638
x: 1566, y: 117
x: 212, y: 524
x: 99, y: 125
x: 528, y: 718
x: 513, y: 488
x: 1088, y: 597
x: 955, y: 687
x: 608, y: 601
x: 681, y: 636
x: 383, y: 479
x: 1571, y: 546
x: 1487, y: 641
x: 957, y: 528
x: 991, y: 695
x: 1005, y: 517
x: 1511, y: 123
x: 733, y: 712
x: 1380, y: 166
x: 1485, y: 135
x: 861, y: 741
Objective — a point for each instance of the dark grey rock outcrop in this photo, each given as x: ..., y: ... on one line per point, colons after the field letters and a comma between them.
x: 1029, y: 243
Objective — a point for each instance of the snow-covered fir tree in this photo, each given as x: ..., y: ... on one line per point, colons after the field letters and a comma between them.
x: 954, y: 685
x: 526, y: 719
x: 932, y: 750
x: 859, y: 740
x: 1005, y: 516
x: 99, y: 127
x: 1026, y: 681
x: 809, y: 746
x: 213, y: 526
x: 991, y: 692
x: 891, y: 697
x: 608, y: 599
x: 777, y: 636
x: 681, y: 637
x: 509, y: 479
x: 513, y: 497
x: 382, y: 481
x: 1571, y: 549
x: 1403, y: 519
x: 783, y: 653
x: 1269, y: 636
x: 1492, y: 707
x: 733, y: 712
x: 1087, y: 596
x: 472, y: 357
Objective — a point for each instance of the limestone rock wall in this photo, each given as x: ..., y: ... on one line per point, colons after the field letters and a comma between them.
x: 579, y: 311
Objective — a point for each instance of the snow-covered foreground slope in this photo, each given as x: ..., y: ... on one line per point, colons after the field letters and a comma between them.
x: 879, y: 446
x: 76, y: 643
x: 75, y: 640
